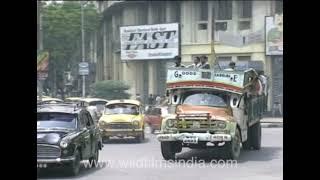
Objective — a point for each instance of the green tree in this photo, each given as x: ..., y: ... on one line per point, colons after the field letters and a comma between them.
x: 62, y: 35
x: 110, y: 89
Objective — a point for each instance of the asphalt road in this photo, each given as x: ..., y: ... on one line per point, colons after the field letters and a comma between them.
x: 125, y: 160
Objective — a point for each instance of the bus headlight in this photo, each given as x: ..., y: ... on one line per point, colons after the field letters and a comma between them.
x: 171, y: 123
x: 222, y: 125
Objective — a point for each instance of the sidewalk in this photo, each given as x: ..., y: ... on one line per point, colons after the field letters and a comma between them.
x: 271, y: 122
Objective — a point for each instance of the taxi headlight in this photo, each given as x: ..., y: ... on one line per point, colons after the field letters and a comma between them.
x: 136, y: 124
x: 102, y: 123
x: 64, y: 144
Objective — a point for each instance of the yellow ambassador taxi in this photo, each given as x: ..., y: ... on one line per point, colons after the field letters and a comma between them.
x: 122, y: 119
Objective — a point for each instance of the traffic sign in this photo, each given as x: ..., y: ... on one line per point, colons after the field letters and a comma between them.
x: 83, y: 68
x: 42, y: 75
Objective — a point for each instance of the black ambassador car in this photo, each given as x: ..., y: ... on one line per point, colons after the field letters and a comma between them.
x: 66, y: 135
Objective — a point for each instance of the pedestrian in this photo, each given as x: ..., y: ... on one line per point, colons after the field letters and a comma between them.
x: 150, y: 99
x: 204, y: 62
x: 158, y: 100
x: 232, y: 66
x: 138, y: 98
x: 178, y: 62
x: 196, y: 63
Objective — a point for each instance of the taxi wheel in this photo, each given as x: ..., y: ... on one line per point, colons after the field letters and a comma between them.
x: 94, y: 159
x: 105, y: 139
x: 140, y: 138
x: 167, y: 150
x: 74, y: 167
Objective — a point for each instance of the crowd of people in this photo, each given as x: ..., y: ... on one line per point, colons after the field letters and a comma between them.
x: 198, y: 62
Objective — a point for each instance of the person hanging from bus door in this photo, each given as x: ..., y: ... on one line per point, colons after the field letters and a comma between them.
x: 264, y: 82
x: 204, y: 62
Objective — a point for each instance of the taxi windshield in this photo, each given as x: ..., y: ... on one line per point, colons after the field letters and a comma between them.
x: 56, y: 120
x: 98, y: 104
x: 122, y: 109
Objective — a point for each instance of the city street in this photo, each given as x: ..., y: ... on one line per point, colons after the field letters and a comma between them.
x: 189, y: 68
x: 266, y: 164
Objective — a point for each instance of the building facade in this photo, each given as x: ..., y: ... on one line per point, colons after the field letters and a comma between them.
x: 236, y: 28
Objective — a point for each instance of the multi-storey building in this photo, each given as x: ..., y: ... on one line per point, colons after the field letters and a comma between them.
x: 236, y: 28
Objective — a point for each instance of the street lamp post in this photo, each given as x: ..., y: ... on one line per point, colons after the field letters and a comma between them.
x: 83, y: 51
x: 40, y: 44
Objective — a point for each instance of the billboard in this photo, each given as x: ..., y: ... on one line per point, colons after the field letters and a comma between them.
x: 274, y: 34
x: 145, y: 42
x: 42, y: 65
x: 42, y: 61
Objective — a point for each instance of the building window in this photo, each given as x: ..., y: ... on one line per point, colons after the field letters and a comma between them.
x: 176, y: 7
x: 245, y: 9
x: 224, y: 58
x: 223, y: 62
x: 221, y: 26
x: 243, y: 25
x: 244, y: 58
x: 158, y: 11
x: 203, y: 10
x: 223, y: 10
x: 279, y: 7
x: 202, y: 26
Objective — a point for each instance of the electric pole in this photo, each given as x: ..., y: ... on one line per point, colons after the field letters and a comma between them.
x: 83, y: 51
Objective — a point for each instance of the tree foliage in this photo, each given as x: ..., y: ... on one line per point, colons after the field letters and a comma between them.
x: 110, y: 89
x: 62, y: 33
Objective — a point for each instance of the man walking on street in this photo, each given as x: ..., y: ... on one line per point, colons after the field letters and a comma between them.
x: 150, y: 100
